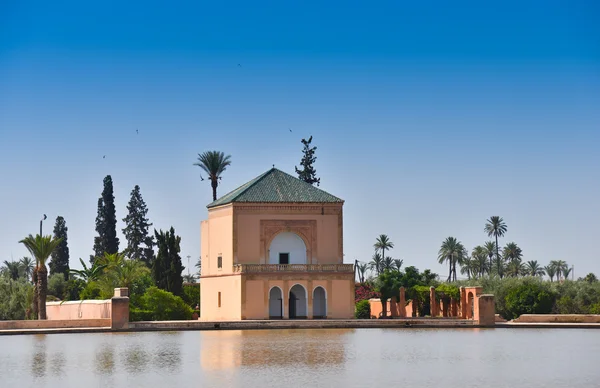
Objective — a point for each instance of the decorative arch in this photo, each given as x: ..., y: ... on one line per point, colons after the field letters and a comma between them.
x: 298, y: 302
x: 319, y: 302
x: 275, y: 303
x: 288, y: 243
x: 305, y: 229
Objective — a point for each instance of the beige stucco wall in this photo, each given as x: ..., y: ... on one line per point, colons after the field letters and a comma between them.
x: 250, y: 234
x: 217, y: 231
x: 230, y: 289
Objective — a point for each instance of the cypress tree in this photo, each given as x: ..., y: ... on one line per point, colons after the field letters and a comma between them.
x: 308, y: 173
x: 167, y: 267
x: 106, y: 222
x: 139, y: 244
x: 60, y: 256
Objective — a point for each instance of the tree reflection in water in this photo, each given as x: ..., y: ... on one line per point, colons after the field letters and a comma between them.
x: 136, y: 359
x: 105, y: 359
x: 38, y: 365
x: 167, y: 354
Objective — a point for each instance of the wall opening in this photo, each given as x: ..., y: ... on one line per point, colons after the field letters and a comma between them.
x: 287, y: 243
x: 298, y: 303
x: 319, y: 303
x: 219, y: 299
x: 275, y: 303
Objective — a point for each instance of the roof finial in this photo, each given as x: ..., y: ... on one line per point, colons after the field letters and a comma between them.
x: 273, y: 166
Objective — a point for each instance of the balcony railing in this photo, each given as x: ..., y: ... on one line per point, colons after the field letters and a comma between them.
x: 267, y: 268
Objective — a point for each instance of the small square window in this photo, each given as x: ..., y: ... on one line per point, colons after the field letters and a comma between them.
x: 219, y: 299
x: 219, y: 262
x: 284, y: 258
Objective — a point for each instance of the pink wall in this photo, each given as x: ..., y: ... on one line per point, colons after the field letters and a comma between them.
x: 217, y: 231
x: 85, y: 309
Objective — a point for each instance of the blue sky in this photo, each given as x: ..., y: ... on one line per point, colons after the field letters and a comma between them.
x: 428, y: 118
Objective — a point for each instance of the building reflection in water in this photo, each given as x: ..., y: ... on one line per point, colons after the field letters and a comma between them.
x: 226, y: 349
x: 167, y: 352
x: 38, y: 364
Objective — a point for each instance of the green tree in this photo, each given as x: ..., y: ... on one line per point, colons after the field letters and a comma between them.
x: 12, y: 269
x: 590, y: 278
x: 60, y: 256
x: 57, y: 285
x: 496, y: 227
x: 388, y: 285
x: 139, y: 243
x: 479, y: 256
x: 106, y: 222
x: 490, y: 251
x: 383, y: 243
x: 398, y: 264
x: 362, y: 271
x: 550, y: 271
x: 512, y: 252
x: 308, y: 173
x: 41, y: 247
x: 529, y: 298
x: 89, y: 274
x: 376, y: 263
x: 167, y: 267
x: 27, y: 267
x: 534, y: 269
x: 451, y: 251
x: 213, y: 163
x: 16, y: 297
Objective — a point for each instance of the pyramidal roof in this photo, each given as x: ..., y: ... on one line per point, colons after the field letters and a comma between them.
x: 276, y: 186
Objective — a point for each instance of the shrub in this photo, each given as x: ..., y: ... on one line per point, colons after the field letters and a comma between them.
x: 191, y: 294
x: 16, y: 297
x: 362, y: 309
x: 57, y: 285
x: 595, y: 308
x: 164, y: 306
x: 90, y: 291
x: 73, y: 289
x: 532, y: 297
x: 136, y: 315
x: 364, y: 292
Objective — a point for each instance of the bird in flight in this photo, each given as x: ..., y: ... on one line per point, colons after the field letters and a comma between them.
x: 290, y: 129
x: 104, y: 157
x: 239, y: 65
x: 136, y: 131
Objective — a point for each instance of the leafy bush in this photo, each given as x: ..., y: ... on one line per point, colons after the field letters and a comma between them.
x: 57, y: 285
x: 533, y: 297
x: 595, y: 308
x: 364, y: 292
x: 191, y: 294
x: 362, y: 309
x: 136, y: 315
x: 16, y: 298
x: 73, y: 289
x: 91, y: 291
x: 164, y: 306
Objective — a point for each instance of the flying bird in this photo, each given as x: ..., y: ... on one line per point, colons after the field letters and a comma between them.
x: 136, y: 131
x: 290, y: 129
x: 239, y: 65
x: 104, y: 157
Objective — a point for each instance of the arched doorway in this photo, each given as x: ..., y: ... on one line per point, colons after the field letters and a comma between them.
x: 287, y: 248
x: 275, y: 303
x: 470, y: 305
x: 319, y: 303
x: 298, y: 302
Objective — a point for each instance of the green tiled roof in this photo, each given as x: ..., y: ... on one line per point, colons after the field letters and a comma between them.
x: 275, y: 186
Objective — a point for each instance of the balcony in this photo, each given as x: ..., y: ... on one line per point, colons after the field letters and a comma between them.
x: 290, y: 268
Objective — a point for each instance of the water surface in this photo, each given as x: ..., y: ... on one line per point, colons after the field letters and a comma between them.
x: 305, y: 358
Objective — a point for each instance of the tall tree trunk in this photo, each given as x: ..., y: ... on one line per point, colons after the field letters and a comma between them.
x: 449, y: 270
x: 498, y: 258
x: 214, y: 185
x: 34, y: 279
x: 491, y: 264
x: 383, y: 308
x: 42, y: 291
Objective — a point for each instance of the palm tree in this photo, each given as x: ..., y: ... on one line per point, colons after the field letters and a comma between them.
x: 189, y: 278
x: 534, y: 269
x: 128, y: 271
x: 566, y: 272
x: 388, y: 264
x: 469, y: 267
x: 515, y: 268
x: 199, y: 266
x: 27, y: 266
x: 479, y: 255
x: 362, y: 270
x: 12, y: 269
x: 490, y: 251
x: 451, y: 251
x: 496, y: 227
x: 512, y: 252
x: 376, y: 264
x: 383, y: 243
x: 398, y: 264
x: 214, y: 163
x: 559, y: 267
x: 41, y: 247
x: 550, y: 271
x: 88, y: 274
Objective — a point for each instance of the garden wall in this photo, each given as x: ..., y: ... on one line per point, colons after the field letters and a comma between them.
x: 81, y: 309
x: 557, y: 318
